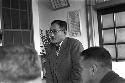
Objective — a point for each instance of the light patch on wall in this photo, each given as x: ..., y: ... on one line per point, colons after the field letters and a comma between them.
x: 36, y: 25
x: 119, y: 68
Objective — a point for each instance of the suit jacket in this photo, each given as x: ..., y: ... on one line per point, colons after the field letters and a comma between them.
x: 112, y: 77
x: 64, y: 68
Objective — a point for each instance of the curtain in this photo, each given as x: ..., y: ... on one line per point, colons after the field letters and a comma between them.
x: 92, y: 22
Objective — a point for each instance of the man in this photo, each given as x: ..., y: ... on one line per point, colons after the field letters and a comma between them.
x: 97, y: 66
x: 19, y: 64
x: 63, y: 54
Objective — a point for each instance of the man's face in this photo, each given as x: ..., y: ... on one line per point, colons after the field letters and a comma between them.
x: 56, y: 34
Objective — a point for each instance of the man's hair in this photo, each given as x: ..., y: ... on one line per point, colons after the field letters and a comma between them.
x: 62, y: 24
x: 19, y: 63
x: 98, y: 54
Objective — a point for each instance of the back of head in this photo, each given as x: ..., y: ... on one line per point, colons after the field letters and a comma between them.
x: 98, y: 54
x: 18, y: 64
x: 62, y: 24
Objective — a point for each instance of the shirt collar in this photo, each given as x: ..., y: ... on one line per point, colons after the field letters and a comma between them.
x: 60, y: 43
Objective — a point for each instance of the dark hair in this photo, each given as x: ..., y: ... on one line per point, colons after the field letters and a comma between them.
x: 62, y: 24
x: 98, y: 54
x: 19, y: 63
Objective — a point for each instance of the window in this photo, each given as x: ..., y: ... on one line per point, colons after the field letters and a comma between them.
x: 112, y: 30
x: 17, y: 22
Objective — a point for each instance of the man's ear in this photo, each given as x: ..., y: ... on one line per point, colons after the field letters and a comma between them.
x: 93, y: 69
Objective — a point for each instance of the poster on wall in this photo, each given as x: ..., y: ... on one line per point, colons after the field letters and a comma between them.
x: 73, y: 19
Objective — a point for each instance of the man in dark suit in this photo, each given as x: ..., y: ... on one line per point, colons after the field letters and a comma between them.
x: 97, y: 66
x: 63, y: 55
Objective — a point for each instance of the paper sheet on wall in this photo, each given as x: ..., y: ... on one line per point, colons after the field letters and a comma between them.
x: 73, y: 23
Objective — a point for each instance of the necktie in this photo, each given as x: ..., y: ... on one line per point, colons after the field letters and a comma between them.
x: 57, y: 48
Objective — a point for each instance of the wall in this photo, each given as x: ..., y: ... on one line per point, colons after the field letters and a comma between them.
x: 47, y: 15
x: 36, y: 25
x: 44, y: 14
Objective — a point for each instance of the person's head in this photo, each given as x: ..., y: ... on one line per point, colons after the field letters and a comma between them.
x: 95, y: 62
x: 19, y: 64
x: 58, y: 31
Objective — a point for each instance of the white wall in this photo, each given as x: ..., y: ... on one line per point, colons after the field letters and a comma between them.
x: 47, y: 15
x: 36, y: 25
x: 119, y: 68
x: 44, y: 14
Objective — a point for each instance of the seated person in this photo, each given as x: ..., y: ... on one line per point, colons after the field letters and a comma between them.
x: 19, y: 64
x: 97, y: 66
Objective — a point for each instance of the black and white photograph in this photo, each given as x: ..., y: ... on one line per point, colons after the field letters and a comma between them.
x: 62, y: 41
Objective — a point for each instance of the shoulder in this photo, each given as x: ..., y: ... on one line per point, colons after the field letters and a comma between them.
x: 120, y: 80
x: 113, y: 77
x: 73, y: 40
x: 76, y: 44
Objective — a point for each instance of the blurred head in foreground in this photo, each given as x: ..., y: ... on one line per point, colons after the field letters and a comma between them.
x: 96, y: 65
x: 19, y: 64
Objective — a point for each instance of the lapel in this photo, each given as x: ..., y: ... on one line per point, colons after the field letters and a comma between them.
x: 56, y: 60
x: 62, y: 52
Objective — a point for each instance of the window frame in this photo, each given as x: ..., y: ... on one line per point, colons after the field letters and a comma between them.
x: 110, y: 10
